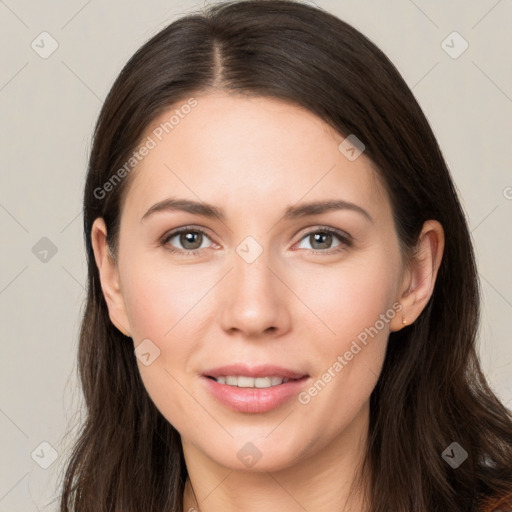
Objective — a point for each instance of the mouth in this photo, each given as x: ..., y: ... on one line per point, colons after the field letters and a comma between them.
x: 243, y: 381
x: 254, y: 389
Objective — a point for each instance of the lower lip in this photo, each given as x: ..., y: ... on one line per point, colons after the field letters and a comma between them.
x: 254, y: 400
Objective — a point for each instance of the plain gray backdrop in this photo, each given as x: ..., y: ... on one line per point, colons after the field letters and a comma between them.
x: 58, y: 61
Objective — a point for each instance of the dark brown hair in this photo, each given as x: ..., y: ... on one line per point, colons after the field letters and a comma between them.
x: 431, y: 391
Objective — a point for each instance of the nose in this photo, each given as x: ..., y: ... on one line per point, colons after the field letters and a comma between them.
x: 255, y: 299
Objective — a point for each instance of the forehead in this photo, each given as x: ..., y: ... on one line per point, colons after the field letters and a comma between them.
x: 242, y: 152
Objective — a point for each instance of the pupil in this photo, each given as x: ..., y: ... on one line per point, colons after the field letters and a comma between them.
x: 320, y: 236
x: 187, y: 238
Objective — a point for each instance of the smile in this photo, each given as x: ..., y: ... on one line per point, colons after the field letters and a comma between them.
x: 243, y: 381
x: 253, y: 395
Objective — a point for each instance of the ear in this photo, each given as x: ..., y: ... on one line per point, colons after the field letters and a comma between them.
x: 420, y: 277
x: 109, y: 277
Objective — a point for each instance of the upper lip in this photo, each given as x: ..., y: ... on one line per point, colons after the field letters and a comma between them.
x: 267, y: 370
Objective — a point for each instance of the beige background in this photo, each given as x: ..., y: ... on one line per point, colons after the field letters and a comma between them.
x: 48, y: 108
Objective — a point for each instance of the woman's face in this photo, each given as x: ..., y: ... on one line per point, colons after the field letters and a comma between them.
x: 261, y: 284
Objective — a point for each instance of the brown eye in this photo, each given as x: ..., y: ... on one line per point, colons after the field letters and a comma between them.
x: 190, y: 240
x: 321, y: 240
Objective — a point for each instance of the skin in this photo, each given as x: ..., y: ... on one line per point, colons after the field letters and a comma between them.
x: 294, y: 306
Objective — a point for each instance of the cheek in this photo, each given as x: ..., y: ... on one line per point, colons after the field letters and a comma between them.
x: 355, y: 307
x: 159, y: 298
x: 163, y: 307
x: 155, y: 310
x: 351, y: 297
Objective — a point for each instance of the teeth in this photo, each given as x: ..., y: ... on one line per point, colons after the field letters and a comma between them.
x: 278, y: 380
x: 247, y: 382
x: 251, y: 382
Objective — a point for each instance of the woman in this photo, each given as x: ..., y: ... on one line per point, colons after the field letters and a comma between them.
x: 283, y: 301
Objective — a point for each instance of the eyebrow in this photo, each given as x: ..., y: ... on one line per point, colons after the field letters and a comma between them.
x: 292, y: 212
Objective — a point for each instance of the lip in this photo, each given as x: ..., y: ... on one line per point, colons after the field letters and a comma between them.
x: 266, y: 370
x: 254, y: 400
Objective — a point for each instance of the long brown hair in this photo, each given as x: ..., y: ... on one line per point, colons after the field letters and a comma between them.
x: 431, y: 392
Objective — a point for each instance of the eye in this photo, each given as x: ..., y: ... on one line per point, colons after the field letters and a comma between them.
x: 322, y: 239
x: 191, y: 240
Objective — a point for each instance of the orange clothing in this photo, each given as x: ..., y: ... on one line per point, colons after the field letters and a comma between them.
x: 498, y: 504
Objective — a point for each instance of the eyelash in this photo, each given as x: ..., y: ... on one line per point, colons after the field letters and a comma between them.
x: 346, y: 241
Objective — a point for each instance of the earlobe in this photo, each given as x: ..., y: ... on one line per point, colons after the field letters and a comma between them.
x: 418, y: 285
x: 109, y: 276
